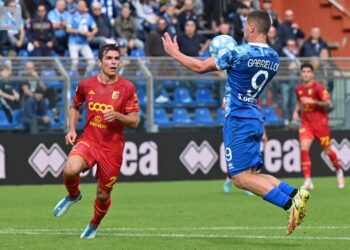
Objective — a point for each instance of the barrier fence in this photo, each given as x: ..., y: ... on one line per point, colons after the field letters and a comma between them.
x: 170, y: 96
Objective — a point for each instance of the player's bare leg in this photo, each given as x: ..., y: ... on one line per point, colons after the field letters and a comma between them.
x: 306, y: 163
x: 334, y: 159
x: 101, y: 206
x: 75, y: 165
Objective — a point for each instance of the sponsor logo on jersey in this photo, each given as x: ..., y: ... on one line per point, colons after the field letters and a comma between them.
x: 91, y: 92
x: 99, y: 107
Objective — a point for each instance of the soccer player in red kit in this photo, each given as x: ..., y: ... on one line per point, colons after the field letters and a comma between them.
x: 111, y: 104
x: 314, y: 99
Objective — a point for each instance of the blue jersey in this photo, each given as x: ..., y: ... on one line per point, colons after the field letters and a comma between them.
x: 250, y: 67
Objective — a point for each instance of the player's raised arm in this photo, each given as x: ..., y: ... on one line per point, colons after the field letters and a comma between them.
x: 172, y: 48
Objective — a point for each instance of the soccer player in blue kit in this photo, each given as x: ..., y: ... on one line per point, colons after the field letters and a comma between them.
x: 250, y: 67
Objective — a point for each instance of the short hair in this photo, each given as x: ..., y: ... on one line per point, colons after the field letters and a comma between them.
x: 307, y: 65
x: 103, y: 49
x: 261, y: 19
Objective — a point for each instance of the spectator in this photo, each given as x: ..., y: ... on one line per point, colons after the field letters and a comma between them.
x: 190, y: 42
x: 288, y: 86
x: 212, y: 14
x: 9, y: 97
x: 146, y: 17
x: 267, y: 6
x: 41, y: 33
x: 34, y: 82
x: 273, y: 40
x: 12, y: 40
x: 225, y: 29
x: 154, y: 44
x: 314, y: 44
x: 290, y: 30
x: 105, y: 30
x: 59, y: 17
x: 35, y: 113
x: 125, y: 29
x: 187, y: 13
x: 124, y: 59
x: 325, y: 70
x: 171, y: 19
x: 239, y: 23
x: 108, y: 8
x: 71, y: 6
x: 81, y: 28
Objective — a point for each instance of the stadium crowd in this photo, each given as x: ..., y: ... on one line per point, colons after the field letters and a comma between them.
x: 73, y: 28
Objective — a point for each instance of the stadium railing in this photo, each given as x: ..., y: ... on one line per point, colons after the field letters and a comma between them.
x: 160, y: 82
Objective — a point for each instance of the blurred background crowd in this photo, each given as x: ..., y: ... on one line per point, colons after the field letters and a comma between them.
x: 76, y: 28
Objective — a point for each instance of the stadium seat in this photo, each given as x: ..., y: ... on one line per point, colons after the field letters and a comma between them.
x: 202, y: 116
x: 161, y: 117
x: 181, y: 116
x: 204, y: 97
x: 163, y: 97
x: 271, y: 117
x: 182, y: 96
x: 141, y: 94
x: 220, y: 116
x: 4, y: 123
x: 23, y: 53
x: 74, y: 75
x: 169, y: 84
x: 54, y: 83
x: 57, y: 124
x: 82, y: 119
x: 137, y: 53
x: 91, y: 73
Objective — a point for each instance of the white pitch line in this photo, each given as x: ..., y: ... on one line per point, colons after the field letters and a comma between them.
x: 218, y: 236
x: 246, y: 228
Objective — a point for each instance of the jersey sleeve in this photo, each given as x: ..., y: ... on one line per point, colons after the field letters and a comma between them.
x: 132, y: 103
x: 79, y: 96
x: 323, y: 93
x: 226, y: 58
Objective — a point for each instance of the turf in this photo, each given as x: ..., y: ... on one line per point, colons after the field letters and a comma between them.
x: 172, y: 215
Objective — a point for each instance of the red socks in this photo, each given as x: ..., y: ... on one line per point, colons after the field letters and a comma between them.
x: 72, y: 186
x: 100, y: 210
x: 306, y: 164
x: 334, y: 160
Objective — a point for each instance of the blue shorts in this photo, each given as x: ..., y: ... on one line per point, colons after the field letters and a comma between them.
x: 242, y: 139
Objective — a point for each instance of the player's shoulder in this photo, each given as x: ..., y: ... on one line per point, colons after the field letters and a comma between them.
x: 126, y: 83
x: 88, y: 81
x: 299, y: 86
x: 318, y: 85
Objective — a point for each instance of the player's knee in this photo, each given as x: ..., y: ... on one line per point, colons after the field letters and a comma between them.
x: 239, y: 181
x: 102, y: 195
x: 70, y: 170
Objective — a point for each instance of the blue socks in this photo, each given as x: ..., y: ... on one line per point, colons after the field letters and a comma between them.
x: 287, y: 189
x: 278, y: 198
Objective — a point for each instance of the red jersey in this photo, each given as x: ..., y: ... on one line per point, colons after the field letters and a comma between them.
x: 311, y: 112
x: 119, y: 96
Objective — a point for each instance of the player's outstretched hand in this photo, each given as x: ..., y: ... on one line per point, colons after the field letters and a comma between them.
x: 170, y: 46
x: 71, y: 137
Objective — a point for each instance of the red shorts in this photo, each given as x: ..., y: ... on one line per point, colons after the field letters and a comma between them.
x: 108, y: 163
x: 311, y: 131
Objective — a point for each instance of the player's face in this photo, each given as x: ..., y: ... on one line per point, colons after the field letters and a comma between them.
x: 110, y: 63
x: 307, y: 75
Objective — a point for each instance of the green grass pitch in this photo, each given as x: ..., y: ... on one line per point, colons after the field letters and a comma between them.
x: 173, y: 215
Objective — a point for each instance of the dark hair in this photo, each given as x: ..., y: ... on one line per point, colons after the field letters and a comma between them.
x: 261, y: 19
x: 103, y: 49
x: 307, y: 65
